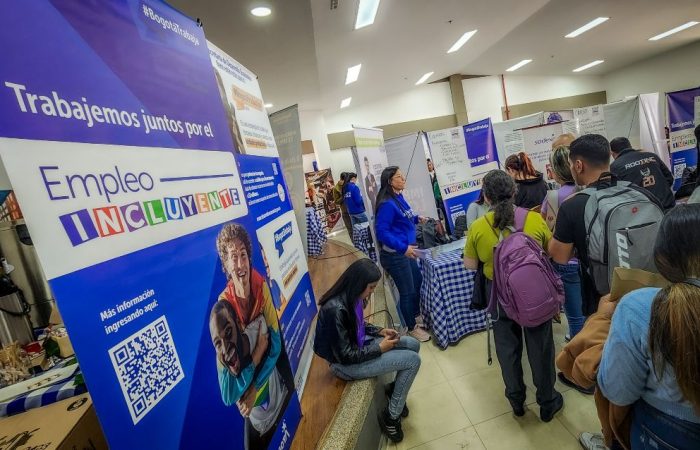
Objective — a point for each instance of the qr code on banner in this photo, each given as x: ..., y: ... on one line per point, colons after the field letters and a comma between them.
x: 678, y: 170
x: 147, y: 367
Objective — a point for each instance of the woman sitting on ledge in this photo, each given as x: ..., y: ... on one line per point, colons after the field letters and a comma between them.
x: 357, y: 350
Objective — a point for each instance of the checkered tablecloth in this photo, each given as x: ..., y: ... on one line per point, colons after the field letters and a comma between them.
x: 315, y: 233
x: 44, y: 396
x: 446, y: 296
x: 362, y: 239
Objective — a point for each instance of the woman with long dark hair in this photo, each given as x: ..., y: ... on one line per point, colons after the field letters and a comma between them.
x: 357, y: 350
x: 573, y: 306
x: 482, y: 237
x: 395, y: 224
x: 532, y: 188
x: 651, y: 359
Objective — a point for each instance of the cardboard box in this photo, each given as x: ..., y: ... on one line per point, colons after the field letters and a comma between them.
x: 65, y: 348
x: 70, y: 424
x: 627, y: 280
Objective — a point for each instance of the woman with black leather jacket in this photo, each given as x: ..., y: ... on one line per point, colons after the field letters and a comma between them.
x: 357, y: 350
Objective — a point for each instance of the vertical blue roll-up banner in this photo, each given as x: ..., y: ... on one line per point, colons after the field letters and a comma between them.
x: 461, y: 156
x: 175, y: 260
x: 683, y: 117
x: 482, y: 153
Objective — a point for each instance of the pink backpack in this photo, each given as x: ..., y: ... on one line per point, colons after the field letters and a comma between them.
x: 525, y: 284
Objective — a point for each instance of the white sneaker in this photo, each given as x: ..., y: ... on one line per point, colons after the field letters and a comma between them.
x: 420, y: 334
x: 592, y: 441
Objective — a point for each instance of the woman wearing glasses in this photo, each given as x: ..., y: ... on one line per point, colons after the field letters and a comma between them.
x: 395, y: 224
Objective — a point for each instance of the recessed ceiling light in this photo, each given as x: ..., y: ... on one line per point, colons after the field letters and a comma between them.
x: 268, y: 105
x: 353, y: 73
x: 461, y: 41
x: 261, y: 11
x: 366, y: 12
x: 592, y: 24
x: 346, y: 102
x: 424, y: 78
x: 519, y: 65
x: 589, y: 65
x: 685, y: 26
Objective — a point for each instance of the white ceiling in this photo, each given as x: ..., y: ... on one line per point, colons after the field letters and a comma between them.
x: 302, y: 51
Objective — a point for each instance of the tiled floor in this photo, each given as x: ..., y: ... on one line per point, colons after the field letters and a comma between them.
x: 457, y: 402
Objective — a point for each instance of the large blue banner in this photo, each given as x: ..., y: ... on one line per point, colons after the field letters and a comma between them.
x: 178, y: 267
x: 683, y: 117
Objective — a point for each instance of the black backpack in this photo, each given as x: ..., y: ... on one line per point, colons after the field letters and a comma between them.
x: 460, y: 227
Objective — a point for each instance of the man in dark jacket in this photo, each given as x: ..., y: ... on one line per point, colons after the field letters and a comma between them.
x: 644, y: 169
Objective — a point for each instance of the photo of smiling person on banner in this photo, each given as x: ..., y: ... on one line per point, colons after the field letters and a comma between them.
x: 252, y: 367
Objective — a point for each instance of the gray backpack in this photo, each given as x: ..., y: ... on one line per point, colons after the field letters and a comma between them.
x: 621, y: 227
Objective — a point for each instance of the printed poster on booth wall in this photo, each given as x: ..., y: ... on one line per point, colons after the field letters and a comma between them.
x: 407, y: 153
x: 319, y: 195
x: 538, y: 146
x: 371, y: 161
x: 462, y: 156
x: 246, y: 115
x: 683, y: 117
x: 176, y: 264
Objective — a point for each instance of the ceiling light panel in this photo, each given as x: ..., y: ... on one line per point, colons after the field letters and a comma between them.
x: 261, y: 11
x: 519, y: 65
x: 424, y: 78
x: 346, y: 102
x: 366, y: 12
x: 461, y: 41
x: 589, y: 65
x: 592, y: 24
x: 678, y: 29
x: 353, y: 74
x: 269, y: 105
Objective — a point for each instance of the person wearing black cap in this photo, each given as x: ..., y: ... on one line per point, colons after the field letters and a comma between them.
x: 644, y: 169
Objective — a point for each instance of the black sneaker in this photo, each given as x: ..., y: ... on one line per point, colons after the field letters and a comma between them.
x: 392, y: 427
x: 519, y: 410
x: 389, y: 391
x: 571, y: 384
x: 548, y: 414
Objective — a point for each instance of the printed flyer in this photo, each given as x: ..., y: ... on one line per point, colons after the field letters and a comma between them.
x: 590, y: 120
x: 175, y: 261
x: 683, y: 117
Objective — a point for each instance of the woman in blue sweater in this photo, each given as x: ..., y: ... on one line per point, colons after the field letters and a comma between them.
x: 353, y: 199
x: 651, y: 359
x: 395, y: 224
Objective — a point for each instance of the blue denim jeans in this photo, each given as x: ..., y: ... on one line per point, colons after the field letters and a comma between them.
x: 573, y: 300
x: 407, y: 278
x: 358, y: 218
x: 654, y: 430
x: 402, y: 359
